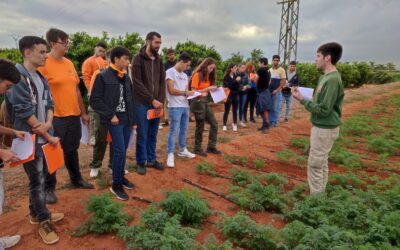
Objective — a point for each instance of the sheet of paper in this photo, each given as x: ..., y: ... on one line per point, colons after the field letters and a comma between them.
x: 23, y: 148
x: 54, y: 156
x: 85, y: 134
x: 307, y: 93
x: 218, y: 95
x: 30, y: 158
x: 196, y: 94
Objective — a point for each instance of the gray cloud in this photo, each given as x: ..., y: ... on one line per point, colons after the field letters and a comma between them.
x: 367, y: 29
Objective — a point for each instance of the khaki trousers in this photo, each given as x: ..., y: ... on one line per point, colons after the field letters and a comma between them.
x: 321, y: 143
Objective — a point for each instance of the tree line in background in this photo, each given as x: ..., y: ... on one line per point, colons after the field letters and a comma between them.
x: 353, y: 74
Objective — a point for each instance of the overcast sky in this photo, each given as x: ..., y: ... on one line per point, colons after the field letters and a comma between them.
x: 369, y: 30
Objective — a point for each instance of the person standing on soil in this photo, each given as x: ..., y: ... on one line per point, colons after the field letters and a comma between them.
x: 148, y: 76
x: 100, y: 144
x: 204, y: 80
x: 32, y: 111
x: 112, y: 99
x: 292, y: 81
x: 89, y: 66
x: 264, y: 101
x: 9, y: 76
x: 231, y: 82
x: 171, y: 61
x: 178, y: 107
x: 278, y: 80
x: 251, y: 92
x: 326, y: 112
x: 68, y: 109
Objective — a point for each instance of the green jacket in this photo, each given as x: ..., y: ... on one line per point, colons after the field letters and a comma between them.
x: 326, y: 106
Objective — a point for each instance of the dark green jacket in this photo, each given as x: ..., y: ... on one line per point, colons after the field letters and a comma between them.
x: 326, y: 106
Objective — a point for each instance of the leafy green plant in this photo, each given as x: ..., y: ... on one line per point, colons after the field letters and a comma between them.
x: 107, y: 216
x: 224, y: 139
x: 156, y: 230
x: 241, y: 177
x: 245, y: 232
x: 236, y: 159
x: 206, y: 168
x: 188, y: 204
x: 382, y: 145
x: 211, y: 243
x: 342, y: 156
x: 259, y: 163
x: 301, y: 143
x: 286, y: 155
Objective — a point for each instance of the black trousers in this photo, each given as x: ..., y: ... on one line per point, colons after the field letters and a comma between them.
x: 68, y: 129
x: 251, y: 100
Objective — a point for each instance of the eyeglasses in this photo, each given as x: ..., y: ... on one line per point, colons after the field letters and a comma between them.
x: 66, y: 43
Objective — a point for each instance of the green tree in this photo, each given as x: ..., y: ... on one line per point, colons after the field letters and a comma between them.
x: 255, y: 55
x: 236, y: 58
x: 131, y: 41
x: 11, y: 54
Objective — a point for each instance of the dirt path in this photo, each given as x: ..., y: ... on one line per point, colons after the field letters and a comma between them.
x: 246, y: 142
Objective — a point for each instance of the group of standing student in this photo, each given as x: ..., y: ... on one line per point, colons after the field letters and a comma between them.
x: 45, y: 100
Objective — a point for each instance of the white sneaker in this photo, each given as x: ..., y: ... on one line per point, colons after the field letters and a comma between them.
x: 224, y: 128
x: 186, y: 153
x: 170, y: 160
x: 126, y: 171
x: 242, y: 124
x: 9, y: 241
x: 94, y: 172
x: 160, y: 127
x: 92, y: 141
x: 234, y: 127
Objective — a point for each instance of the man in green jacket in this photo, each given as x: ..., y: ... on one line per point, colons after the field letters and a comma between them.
x: 326, y: 112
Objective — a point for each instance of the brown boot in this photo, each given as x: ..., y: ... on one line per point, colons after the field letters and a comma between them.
x: 54, y: 217
x: 47, y: 233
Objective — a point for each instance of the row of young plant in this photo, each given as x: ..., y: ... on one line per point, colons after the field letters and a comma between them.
x: 372, y: 131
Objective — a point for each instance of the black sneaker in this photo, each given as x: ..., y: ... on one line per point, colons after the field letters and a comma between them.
x: 265, y: 130
x: 200, y: 152
x: 51, y: 198
x: 213, y: 151
x: 157, y: 165
x: 119, y: 192
x: 127, y: 184
x: 141, y: 169
x: 82, y: 184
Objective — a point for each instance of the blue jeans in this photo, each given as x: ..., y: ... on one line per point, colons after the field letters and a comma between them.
x: 242, y: 103
x: 288, y: 101
x: 179, y: 120
x: 274, y: 113
x: 120, y: 135
x: 147, y: 130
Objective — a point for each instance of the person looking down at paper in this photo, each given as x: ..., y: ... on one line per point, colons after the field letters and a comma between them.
x: 178, y: 107
x: 326, y: 112
x: 204, y: 80
x: 9, y: 76
x: 31, y: 106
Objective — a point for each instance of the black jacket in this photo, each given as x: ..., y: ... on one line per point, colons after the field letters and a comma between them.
x: 231, y: 84
x: 104, y: 97
x: 148, y: 77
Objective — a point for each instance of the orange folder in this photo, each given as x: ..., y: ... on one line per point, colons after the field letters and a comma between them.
x: 30, y: 158
x: 227, y: 91
x: 54, y: 156
x: 154, y: 113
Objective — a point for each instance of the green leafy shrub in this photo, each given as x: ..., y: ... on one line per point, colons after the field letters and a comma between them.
x: 236, y: 159
x: 211, y: 243
x: 188, y: 204
x: 246, y: 233
x: 382, y: 145
x: 348, y: 181
x: 382, y: 77
x: 205, y: 168
x: 107, y: 216
x: 241, y: 177
x: 342, y: 156
x: 293, y: 233
x: 286, y: 155
x: 349, y: 73
x: 301, y: 143
x: 156, y: 230
x: 259, y: 163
